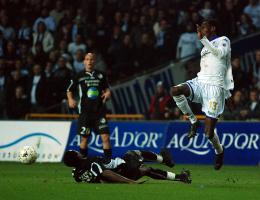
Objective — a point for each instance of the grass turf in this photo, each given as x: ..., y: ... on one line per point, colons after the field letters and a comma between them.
x: 54, y: 181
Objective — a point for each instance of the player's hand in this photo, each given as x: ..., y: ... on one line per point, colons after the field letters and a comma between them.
x: 105, y: 96
x: 72, y: 103
x: 199, y: 31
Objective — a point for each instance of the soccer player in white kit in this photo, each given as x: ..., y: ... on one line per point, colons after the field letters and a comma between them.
x: 211, y: 87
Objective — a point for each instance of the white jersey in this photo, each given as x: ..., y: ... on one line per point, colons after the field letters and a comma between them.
x: 215, y: 62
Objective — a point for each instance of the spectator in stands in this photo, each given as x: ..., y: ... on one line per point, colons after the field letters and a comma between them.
x: 145, y: 54
x: 253, y: 10
x: 241, y: 79
x: 238, y: 104
x: 57, y: 13
x: 10, y: 55
x: 3, y: 89
x: 78, y: 61
x: 207, y: 11
x: 78, y: 44
x: 43, y: 37
x: 188, y: 43
x: 252, y: 108
x: 245, y: 25
x: 123, y: 57
x: 256, y: 70
x: 46, y: 19
x: 2, y: 45
x: 60, y: 78
x: 228, y: 15
x: 24, y: 32
x: 158, y: 102
x: 20, y: 105
x: 7, y: 30
x: 37, y: 89
x: 100, y: 32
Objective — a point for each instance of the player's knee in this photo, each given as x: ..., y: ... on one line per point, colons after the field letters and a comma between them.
x: 175, y: 90
x: 105, y: 138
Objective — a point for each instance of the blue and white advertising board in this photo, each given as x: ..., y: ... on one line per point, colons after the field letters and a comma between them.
x: 241, y: 141
x: 48, y: 138
x: 125, y: 136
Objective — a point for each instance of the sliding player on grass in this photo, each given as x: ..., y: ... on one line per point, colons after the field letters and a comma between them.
x: 128, y: 169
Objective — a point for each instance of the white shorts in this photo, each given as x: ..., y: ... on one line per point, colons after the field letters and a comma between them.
x: 212, y: 98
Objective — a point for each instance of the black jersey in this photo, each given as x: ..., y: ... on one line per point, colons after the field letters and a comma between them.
x: 89, y: 86
x: 89, y: 170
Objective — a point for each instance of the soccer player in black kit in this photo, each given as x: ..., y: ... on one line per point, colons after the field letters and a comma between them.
x: 128, y: 169
x: 93, y: 92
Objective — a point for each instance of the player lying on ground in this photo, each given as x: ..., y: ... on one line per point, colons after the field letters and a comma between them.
x: 128, y: 169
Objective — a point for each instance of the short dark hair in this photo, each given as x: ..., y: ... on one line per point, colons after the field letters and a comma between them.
x: 211, y: 22
x: 71, y: 158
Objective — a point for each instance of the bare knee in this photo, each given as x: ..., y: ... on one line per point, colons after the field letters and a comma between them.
x: 180, y: 90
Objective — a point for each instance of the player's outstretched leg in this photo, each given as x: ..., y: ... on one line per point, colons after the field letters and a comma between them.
x: 184, y: 176
x: 164, y: 157
x: 180, y: 92
x: 210, y: 125
x: 167, y: 158
x: 219, y: 160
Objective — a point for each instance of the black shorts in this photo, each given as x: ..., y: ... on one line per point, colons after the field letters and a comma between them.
x: 132, y: 166
x: 86, y: 123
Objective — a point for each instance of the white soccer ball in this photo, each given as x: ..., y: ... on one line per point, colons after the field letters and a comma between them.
x: 27, y: 155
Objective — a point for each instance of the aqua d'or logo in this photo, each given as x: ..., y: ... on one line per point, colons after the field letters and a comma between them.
x: 92, y: 93
x: 29, y: 136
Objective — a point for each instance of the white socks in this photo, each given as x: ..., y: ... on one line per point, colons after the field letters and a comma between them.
x: 183, y: 105
x: 216, y: 144
x: 159, y: 158
x: 170, y: 176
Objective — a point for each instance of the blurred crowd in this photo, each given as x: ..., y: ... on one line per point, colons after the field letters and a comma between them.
x: 43, y: 42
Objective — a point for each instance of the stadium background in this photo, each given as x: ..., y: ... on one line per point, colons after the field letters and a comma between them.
x: 137, y: 45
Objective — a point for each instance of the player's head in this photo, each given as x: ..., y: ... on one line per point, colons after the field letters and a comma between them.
x: 208, y: 27
x: 89, y: 61
x: 72, y: 158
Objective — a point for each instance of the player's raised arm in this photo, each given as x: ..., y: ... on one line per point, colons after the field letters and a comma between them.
x: 221, y: 50
x: 206, y: 31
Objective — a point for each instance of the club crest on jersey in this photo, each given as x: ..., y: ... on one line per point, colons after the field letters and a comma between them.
x: 100, y: 76
x: 92, y: 93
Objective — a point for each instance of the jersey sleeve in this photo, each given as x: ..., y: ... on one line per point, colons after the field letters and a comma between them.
x: 72, y: 85
x: 221, y: 50
x: 90, y: 175
x: 105, y: 84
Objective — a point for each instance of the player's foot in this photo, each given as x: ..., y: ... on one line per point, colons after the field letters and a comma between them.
x: 167, y: 158
x: 193, y: 129
x: 184, y: 176
x: 219, y: 160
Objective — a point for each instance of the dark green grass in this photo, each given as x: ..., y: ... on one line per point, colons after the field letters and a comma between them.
x: 54, y: 181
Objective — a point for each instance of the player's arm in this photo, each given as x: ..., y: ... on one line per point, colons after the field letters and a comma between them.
x: 112, y: 177
x: 106, y: 93
x: 220, y: 51
x: 71, y: 101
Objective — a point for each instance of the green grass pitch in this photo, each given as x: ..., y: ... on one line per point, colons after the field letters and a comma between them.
x: 54, y: 182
